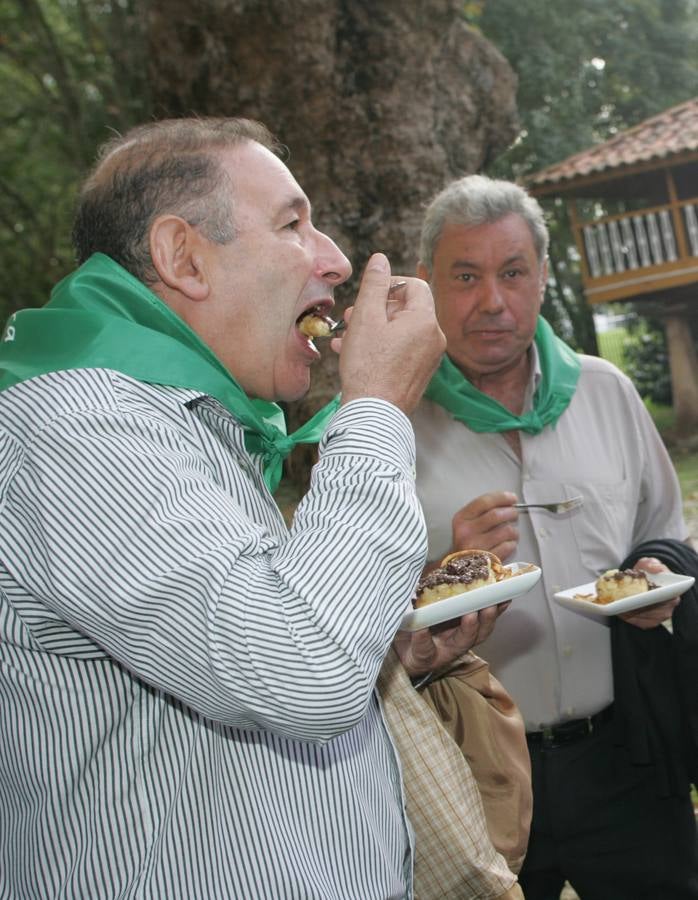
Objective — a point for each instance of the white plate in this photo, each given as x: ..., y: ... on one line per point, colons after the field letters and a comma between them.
x: 470, y: 601
x: 668, y: 585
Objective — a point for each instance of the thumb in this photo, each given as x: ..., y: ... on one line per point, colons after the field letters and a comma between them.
x: 375, y: 283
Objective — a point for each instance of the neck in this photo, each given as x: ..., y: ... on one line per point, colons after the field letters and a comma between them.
x: 507, y: 385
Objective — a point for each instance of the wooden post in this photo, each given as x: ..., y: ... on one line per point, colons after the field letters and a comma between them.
x: 578, y: 233
x: 683, y: 362
x: 679, y: 229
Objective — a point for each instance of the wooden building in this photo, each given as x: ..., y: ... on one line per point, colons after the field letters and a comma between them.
x: 633, y: 204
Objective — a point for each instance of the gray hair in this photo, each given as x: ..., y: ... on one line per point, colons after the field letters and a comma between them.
x: 478, y: 200
x: 168, y: 166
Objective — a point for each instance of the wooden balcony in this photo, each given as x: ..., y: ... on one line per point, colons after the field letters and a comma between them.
x: 647, y: 251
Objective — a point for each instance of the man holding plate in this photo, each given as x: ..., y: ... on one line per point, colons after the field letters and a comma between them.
x: 513, y: 414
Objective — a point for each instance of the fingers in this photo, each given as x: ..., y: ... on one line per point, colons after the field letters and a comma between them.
x: 650, y: 564
x: 434, y: 648
x: 374, y: 287
x: 416, y: 651
x: 392, y: 345
x: 487, y: 523
x: 651, y: 616
x: 375, y: 297
x: 655, y: 615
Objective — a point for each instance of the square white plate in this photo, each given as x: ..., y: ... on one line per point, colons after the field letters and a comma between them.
x: 471, y: 601
x: 668, y: 585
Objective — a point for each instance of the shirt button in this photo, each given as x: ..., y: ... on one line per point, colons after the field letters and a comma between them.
x: 542, y: 532
x: 569, y: 711
x: 567, y: 650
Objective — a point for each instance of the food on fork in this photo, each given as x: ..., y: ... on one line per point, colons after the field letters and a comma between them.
x: 618, y: 583
x: 458, y: 572
x: 314, y: 323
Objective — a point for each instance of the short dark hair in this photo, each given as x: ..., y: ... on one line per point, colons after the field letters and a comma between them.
x: 167, y: 166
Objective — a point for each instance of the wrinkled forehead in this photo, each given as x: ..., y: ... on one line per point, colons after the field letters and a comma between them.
x: 500, y: 240
x: 261, y: 181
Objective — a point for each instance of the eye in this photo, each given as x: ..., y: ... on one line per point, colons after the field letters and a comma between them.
x: 465, y: 277
x: 512, y: 273
x: 293, y: 224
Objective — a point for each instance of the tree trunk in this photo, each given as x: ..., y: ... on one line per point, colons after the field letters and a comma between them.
x: 683, y: 362
x: 381, y: 102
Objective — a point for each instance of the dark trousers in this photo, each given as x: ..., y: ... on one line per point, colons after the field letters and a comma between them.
x: 598, y: 822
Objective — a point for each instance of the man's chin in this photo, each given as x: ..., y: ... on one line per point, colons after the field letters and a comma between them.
x: 295, y: 390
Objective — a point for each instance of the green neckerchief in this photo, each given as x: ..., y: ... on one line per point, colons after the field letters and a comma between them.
x: 560, y: 367
x: 103, y: 317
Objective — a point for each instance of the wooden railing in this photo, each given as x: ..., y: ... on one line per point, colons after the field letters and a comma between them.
x: 659, y: 244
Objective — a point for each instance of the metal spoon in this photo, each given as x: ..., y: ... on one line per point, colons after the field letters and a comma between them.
x: 561, y: 506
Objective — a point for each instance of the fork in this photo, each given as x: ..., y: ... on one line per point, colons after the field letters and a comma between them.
x: 341, y: 324
x: 560, y: 507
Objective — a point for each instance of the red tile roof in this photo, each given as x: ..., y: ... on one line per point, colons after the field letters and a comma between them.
x: 672, y: 132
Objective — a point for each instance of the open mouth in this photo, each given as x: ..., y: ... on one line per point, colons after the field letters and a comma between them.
x: 314, y: 323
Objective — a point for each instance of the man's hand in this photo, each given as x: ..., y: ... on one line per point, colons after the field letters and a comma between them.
x: 434, y: 648
x: 487, y: 523
x: 392, y: 345
x: 651, y: 616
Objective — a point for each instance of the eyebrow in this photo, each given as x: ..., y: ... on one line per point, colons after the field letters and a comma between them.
x: 297, y: 202
x: 467, y: 264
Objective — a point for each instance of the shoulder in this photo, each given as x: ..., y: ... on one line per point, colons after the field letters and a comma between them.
x: 30, y: 407
x: 596, y: 367
x: 601, y: 375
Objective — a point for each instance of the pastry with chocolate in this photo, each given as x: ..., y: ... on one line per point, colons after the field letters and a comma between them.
x: 457, y: 573
x: 618, y: 583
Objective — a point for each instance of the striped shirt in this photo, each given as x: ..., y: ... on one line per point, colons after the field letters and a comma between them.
x: 187, y: 693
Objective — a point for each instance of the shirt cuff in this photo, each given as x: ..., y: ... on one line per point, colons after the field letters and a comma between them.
x: 373, y: 428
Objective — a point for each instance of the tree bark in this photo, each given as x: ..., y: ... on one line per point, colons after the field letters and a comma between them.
x: 381, y: 103
x: 683, y: 362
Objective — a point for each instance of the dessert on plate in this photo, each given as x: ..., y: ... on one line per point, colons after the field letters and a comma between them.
x: 618, y: 583
x: 458, y: 572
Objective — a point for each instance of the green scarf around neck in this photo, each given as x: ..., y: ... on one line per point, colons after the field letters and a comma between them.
x: 100, y: 316
x: 560, y: 367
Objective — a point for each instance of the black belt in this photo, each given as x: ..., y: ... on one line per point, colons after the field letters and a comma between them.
x: 568, y: 732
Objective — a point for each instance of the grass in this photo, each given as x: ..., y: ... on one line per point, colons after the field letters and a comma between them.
x: 685, y: 461
x: 686, y: 465
x: 611, y: 345
x: 663, y: 416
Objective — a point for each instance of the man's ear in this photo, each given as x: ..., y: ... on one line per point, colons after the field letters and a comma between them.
x: 175, y: 248
x: 422, y: 271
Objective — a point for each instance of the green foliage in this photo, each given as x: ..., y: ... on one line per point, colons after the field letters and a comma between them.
x: 663, y: 417
x: 647, y: 362
x: 585, y: 71
x: 71, y: 71
x: 612, y: 346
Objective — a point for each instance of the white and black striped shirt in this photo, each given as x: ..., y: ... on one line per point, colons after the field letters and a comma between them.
x: 186, y: 686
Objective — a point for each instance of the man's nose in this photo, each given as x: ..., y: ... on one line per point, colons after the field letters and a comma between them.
x: 332, y: 264
x: 490, y: 299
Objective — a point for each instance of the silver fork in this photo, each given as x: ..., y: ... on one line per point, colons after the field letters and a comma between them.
x: 341, y: 324
x: 561, y: 507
